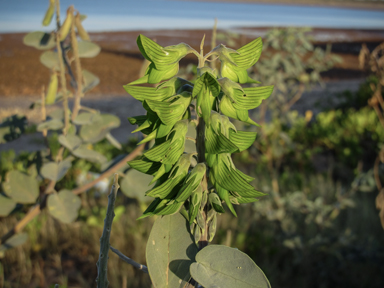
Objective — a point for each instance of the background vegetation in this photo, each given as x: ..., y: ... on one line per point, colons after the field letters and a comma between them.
x: 318, y: 227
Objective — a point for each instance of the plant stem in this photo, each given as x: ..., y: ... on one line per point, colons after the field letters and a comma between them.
x: 102, y: 279
x: 129, y: 260
x: 79, y: 78
x: 62, y: 73
x: 200, y: 148
x: 213, y: 43
x: 43, y: 118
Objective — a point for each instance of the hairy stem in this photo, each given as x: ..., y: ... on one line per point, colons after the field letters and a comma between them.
x: 200, y: 148
x: 102, y: 279
x: 79, y: 78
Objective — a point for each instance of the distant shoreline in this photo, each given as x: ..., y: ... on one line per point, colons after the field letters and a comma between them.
x: 373, y: 5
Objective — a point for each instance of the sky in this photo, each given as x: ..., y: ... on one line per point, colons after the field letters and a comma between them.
x: 118, y: 15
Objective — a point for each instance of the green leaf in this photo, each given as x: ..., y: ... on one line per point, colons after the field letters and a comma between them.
x: 64, y: 206
x: 248, y: 54
x: 57, y: 114
x: 170, y: 252
x: 144, y: 165
x: 135, y: 184
x: 166, y: 189
x: 148, y: 93
x: 209, y: 81
x: 14, y: 241
x: 96, y: 131
x: 252, y: 97
x: 53, y: 124
x: 218, y: 143
x: 88, y: 49
x: 90, y: 155
x: 170, y: 112
x: 139, y: 120
x: 87, y: 118
x: 235, y: 66
x: 56, y: 171
x: 161, y: 57
x: 113, y: 141
x: 40, y: 40
x: 70, y: 141
x: 153, y: 76
x: 242, y: 139
x: 50, y: 60
x: 224, y: 195
x: 167, y: 152
x: 6, y: 206
x: 21, y: 187
x: 222, y: 266
x: 226, y: 107
x: 242, y: 200
x: 216, y: 203
x: 232, y: 180
x: 176, y: 85
x: 90, y: 80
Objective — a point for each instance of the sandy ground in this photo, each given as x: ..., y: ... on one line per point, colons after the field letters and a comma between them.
x: 22, y: 74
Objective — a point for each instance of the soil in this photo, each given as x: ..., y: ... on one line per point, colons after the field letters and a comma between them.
x: 22, y: 74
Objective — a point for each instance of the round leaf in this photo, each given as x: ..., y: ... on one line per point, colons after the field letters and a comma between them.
x: 6, y: 205
x: 90, y: 155
x: 170, y: 251
x: 50, y: 60
x: 14, y: 241
x: 87, y: 118
x: 39, y: 40
x: 55, y: 171
x: 90, y: 80
x: 21, y: 187
x: 88, y: 49
x: 53, y: 124
x: 70, y: 141
x: 222, y: 266
x: 135, y: 184
x: 57, y: 114
x: 64, y: 206
x: 98, y: 130
x: 113, y: 141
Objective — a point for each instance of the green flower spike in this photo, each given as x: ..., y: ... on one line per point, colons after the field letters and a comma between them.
x: 234, y: 64
x: 164, y: 60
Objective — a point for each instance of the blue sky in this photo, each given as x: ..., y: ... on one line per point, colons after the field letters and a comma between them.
x: 26, y: 15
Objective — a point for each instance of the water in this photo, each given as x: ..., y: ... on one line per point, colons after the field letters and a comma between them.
x: 114, y: 15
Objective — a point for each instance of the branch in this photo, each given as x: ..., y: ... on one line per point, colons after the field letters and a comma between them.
x: 35, y: 210
x: 63, y: 84
x: 102, y: 279
x: 294, y: 99
x: 129, y: 260
x: 376, y: 174
x: 109, y: 172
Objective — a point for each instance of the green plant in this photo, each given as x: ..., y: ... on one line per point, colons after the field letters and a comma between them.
x: 375, y: 61
x: 195, y: 183
x: 75, y: 133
